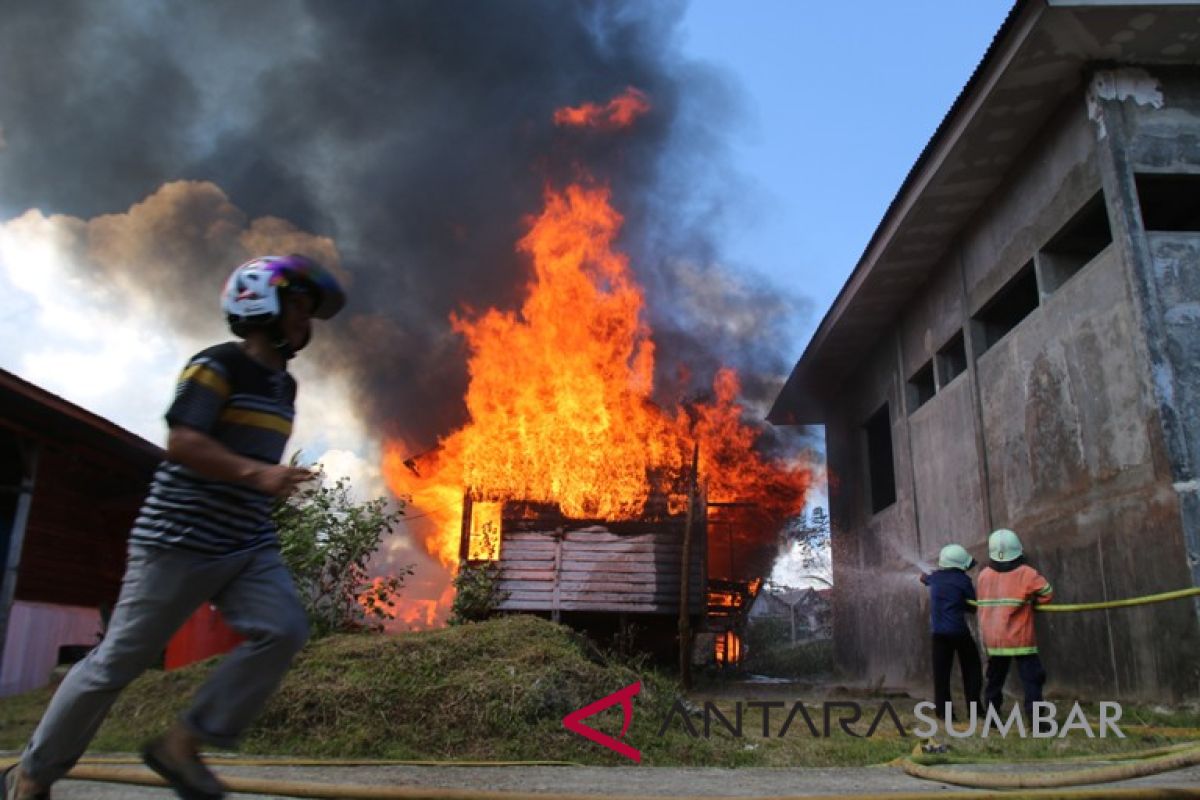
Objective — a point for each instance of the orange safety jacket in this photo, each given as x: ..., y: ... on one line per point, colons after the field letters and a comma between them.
x: 1005, y: 603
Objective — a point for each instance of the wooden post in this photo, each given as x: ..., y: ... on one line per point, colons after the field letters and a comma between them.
x: 556, y: 596
x: 464, y: 539
x: 685, y: 621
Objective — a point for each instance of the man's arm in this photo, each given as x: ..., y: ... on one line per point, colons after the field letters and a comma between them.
x: 1040, y: 589
x: 969, y: 597
x: 210, y: 459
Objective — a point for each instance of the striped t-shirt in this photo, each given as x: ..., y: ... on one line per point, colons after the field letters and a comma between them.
x: 244, y: 405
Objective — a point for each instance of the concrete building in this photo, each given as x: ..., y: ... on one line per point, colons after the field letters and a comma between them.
x: 1019, y: 346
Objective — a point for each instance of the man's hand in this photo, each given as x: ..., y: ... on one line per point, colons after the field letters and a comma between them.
x: 280, y: 480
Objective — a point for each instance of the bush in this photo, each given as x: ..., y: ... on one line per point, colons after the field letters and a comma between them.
x: 327, y: 540
x: 477, y: 587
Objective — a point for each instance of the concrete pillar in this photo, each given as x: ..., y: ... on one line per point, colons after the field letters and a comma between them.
x: 1112, y: 95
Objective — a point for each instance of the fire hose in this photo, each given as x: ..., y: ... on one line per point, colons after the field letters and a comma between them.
x: 1148, y: 762
x: 313, y: 789
x: 1126, y: 603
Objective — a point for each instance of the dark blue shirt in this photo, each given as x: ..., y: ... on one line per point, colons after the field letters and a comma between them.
x: 244, y: 405
x: 949, y: 591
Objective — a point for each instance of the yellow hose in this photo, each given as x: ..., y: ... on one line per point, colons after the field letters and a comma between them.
x: 91, y: 770
x: 236, y: 761
x: 1150, y: 762
x: 1044, y: 780
x: 933, y: 760
x: 1129, y: 601
x: 343, y: 790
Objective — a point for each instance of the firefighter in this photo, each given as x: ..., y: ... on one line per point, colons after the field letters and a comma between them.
x: 1009, y: 588
x: 950, y: 589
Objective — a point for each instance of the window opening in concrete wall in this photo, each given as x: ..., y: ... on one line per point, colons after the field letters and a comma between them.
x: 951, y: 360
x: 881, y: 473
x: 1169, y: 202
x: 921, y: 387
x: 1013, y: 303
x: 1076, y: 244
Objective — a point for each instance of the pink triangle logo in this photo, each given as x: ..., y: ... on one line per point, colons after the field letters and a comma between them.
x: 574, y: 721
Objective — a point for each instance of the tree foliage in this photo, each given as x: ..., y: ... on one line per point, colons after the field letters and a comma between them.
x: 327, y: 540
x: 809, y: 536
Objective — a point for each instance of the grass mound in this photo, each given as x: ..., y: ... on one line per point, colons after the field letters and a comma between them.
x: 491, y: 690
x: 498, y: 690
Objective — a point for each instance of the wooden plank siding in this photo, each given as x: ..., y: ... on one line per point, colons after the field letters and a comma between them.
x: 75, y: 541
x: 594, y: 569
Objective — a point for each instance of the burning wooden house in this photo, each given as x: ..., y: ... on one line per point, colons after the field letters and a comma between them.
x: 613, y: 576
x: 575, y: 463
x: 560, y: 566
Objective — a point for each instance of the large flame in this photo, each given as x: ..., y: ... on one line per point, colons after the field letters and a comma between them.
x: 560, y: 398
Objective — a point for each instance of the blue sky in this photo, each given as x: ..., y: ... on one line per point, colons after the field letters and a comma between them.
x: 840, y: 100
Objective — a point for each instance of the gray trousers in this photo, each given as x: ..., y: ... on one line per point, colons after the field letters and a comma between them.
x: 160, y: 590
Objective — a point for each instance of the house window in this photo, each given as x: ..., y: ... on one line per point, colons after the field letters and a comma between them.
x: 881, y: 473
x: 1079, y: 241
x: 951, y: 359
x: 1013, y: 303
x: 1169, y: 202
x: 921, y: 387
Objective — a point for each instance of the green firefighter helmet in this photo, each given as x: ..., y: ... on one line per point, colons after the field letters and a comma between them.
x: 1004, y: 546
x: 955, y: 556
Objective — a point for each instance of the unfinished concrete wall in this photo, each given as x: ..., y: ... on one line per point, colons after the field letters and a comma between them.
x: 1154, y: 118
x: 1176, y: 262
x: 946, y: 469
x: 1052, y: 430
x: 1073, y: 449
x: 1146, y: 123
x: 1072, y: 469
x: 873, y: 634
x: 941, y: 430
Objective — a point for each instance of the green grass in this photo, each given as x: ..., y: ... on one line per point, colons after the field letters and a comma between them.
x: 493, y: 690
x: 499, y: 690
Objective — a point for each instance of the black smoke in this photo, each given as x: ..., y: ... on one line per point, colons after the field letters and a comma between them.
x: 418, y: 136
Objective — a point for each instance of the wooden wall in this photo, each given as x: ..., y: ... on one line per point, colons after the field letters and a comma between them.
x: 75, y: 540
x: 595, y: 569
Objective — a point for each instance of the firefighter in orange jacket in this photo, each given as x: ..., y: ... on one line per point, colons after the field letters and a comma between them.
x: 1008, y: 589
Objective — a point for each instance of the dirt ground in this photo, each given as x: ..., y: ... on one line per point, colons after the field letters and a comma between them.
x: 600, y: 781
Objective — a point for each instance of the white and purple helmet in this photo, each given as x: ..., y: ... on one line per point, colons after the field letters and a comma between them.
x: 251, y: 299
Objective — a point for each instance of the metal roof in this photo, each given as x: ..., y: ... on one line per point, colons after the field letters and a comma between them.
x: 46, y: 417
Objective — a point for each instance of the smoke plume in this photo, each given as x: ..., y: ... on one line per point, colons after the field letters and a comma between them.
x: 403, y: 143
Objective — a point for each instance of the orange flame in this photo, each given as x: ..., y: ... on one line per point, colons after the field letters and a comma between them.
x: 560, y: 398
x: 620, y: 112
x: 375, y: 597
x: 728, y: 648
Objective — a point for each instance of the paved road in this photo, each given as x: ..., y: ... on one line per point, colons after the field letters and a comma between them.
x: 598, y: 781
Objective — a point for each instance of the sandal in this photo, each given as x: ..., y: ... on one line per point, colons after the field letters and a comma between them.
x: 190, y: 778
x: 8, y: 782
